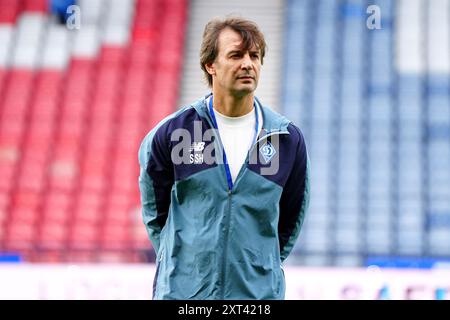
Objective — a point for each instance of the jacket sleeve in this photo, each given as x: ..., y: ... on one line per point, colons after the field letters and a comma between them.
x: 156, y: 178
x: 294, y: 200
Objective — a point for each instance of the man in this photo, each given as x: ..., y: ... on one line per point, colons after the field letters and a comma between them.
x: 224, y: 182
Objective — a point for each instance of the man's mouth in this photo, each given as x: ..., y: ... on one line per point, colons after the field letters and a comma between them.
x: 246, y: 77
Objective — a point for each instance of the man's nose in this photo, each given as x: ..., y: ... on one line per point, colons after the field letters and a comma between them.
x: 246, y: 62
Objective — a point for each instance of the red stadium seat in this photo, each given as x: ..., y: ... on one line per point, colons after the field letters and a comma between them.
x: 11, y: 132
x: 4, y: 204
x: 52, y: 235
x: 36, y: 6
x: 57, y: 207
x: 8, y: 159
x: 112, y: 55
x: 32, y: 176
x: 80, y: 256
x: 45, y: 102
x: 29, y: 199
x: 3, y: 73
x: 83, y: 236
x: 19, y: 236
x: 115, y: 236
x: 17, y: 94
x: 9, y: 10
x: 88, y: 208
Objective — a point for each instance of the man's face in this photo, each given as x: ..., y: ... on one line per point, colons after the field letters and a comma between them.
x: 235, y: 71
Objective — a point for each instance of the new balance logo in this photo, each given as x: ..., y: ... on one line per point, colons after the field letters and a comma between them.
x: 196, y: 157
x: 197, y: 146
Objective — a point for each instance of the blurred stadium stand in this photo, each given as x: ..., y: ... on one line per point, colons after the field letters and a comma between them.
x: 74, y: 107
x: 374, y: 106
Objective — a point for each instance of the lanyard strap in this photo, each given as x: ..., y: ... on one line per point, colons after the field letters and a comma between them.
x: 225, y: 161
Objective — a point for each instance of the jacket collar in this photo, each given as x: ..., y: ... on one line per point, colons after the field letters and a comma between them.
x: 272, y: 121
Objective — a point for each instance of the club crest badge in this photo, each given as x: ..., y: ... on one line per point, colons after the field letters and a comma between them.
x: 267, y: 151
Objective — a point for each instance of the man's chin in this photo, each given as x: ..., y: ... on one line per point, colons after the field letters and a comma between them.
x: 245, y: 90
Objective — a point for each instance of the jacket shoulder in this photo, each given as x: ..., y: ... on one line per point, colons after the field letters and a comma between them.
x: 160, y: 132
x: 296, y: 132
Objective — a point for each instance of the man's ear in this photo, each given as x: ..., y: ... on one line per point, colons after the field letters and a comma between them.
x: 210, y: 68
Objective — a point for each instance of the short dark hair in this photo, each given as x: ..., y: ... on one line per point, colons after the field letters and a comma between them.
x: 249, y: 31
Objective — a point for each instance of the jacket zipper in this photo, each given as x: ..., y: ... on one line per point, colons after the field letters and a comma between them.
x: 230, y: 191
x: 228, y: 218
x: 225, y: 247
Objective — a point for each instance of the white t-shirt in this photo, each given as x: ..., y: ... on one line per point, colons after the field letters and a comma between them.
x: 237, y: 135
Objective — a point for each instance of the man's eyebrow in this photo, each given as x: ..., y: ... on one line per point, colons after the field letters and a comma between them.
x: 241, y: 51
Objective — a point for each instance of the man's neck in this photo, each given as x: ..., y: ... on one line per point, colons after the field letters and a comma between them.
x: 232, y: 106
